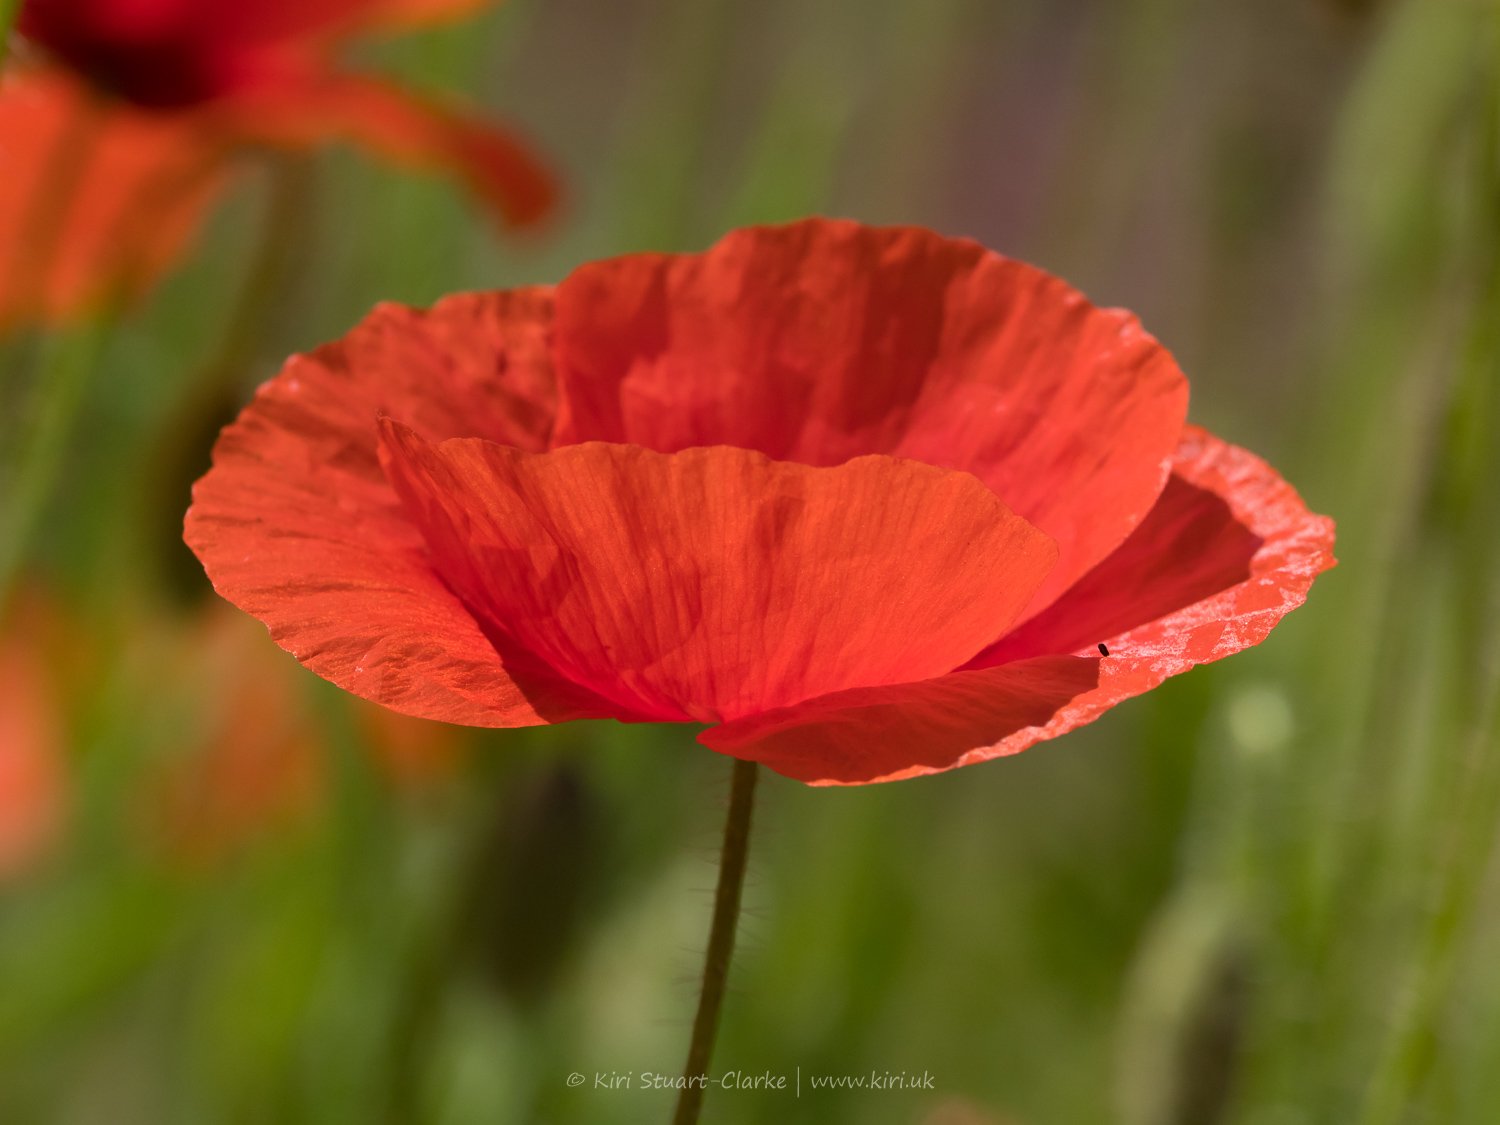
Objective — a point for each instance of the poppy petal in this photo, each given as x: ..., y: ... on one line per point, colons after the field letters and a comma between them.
x: 1229, y: 541
x: 926, y: 727
x: 97, y: 200
x: 823, y: 340
x: 315, y: 107
x: 716, y: 582
x: 296, y: 524
x: 906, y: 730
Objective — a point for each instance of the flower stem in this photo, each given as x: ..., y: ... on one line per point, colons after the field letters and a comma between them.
x: 732, y: 857
x: 268, y: 285
x: 69, y: 359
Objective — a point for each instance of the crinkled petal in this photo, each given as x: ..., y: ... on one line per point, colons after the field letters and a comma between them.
x: 1230, y: 550
x: 823, y: 340
x: 296, y: 524
x: 715, y: 582
x: 1193, y: 527
x: 474, y: 365
x: 313, y: 107
x: 97, y: 200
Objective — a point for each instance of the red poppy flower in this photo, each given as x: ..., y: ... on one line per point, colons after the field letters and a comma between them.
x: 109, y: 157
x: 867, y: 501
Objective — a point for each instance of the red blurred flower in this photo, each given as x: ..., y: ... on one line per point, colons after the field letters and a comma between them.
x: 248, y: 761
x: 255, y: 757
x: 109, y: 157
x: 33, y: 773
x: 865, y: 500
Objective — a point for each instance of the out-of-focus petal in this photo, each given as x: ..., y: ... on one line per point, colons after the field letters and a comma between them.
x: 217, y: 22
x: 411, y: 753
x: 296, y: 524
x: 822, y: 340
x: 1251, y: 550
x: 316, y: 107
x: 155, y: 53
x: 179, y: 53
x: 226, y: 24
x: 252, y: 758
x: 97, y: 200
x: 715, y: 583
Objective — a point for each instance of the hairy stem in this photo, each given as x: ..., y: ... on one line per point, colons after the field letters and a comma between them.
x: 727, y: 896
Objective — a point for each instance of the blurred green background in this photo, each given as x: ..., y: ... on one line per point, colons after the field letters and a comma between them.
x: 1262, y: 895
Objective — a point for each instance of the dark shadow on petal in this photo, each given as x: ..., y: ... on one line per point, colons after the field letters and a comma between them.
x: 553, y: 696
x: 1188, y: 548
x: 882, y: 734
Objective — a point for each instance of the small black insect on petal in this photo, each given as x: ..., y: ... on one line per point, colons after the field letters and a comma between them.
x: 1102, y: 650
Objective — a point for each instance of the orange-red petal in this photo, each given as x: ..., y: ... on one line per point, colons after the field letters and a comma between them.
x: 97, y: 200
x: 715, y: 583
x: 296, y: 524
x: 823, y: 340
x: 906, y: 730
x: 1227, y: 551
x: 1190, y: 587
x: 313, y: 107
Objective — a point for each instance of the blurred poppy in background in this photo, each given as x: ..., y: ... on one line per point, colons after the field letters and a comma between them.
x: 33, y: 735
x: 866, y: 500
x: 122, y: 122
x: 257, y: 757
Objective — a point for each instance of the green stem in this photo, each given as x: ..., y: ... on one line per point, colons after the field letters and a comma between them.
x: 732, y: 857
x: 1466, y: 476
x: 262, y: 305
x: 69, y: 355
x: 70, y: 358
x: 417, y: 1017
x: 260, y: 316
